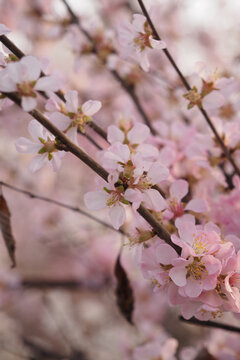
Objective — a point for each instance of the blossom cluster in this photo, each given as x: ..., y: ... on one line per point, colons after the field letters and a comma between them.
x: 204, y: 279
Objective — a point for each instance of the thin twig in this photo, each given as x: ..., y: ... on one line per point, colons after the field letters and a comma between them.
x: 125, y: 86
x: 188, y: 87
x: 58, y: 203
x: 211, y: 324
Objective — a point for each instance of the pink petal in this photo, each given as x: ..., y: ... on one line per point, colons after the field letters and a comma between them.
x: 178, y: 275
x: 197, y: 205
x: 72, y: 101
x: 47, y: 83
x: 26, y: 146
x: 193, y: 288
x: 31, y: 68
x: 6, y: 83
x: 60, y: 120
x: 28, y: 103
x: 189, y: 309
x: 4, y: 29
x: 56, y: 162
x: 153, y: 200
x: 165, y: 254
x: 234, y: 240
x: 214, y: 100
x: 186, y: 230
x: 72, y: 134
x: 134, y: 196
x: 158, y: 173
x: 114, y: 134
x: 95, y: 200
x: 38, y: 162
x: 179, y: 189
x: 143, y: 59
x: 117, y: 216
x: 210, y: 226
x: 138, y: 134
x: 138, y: 22
x: 158, y: 44
x: 90, y: 107
x: 35, y: 129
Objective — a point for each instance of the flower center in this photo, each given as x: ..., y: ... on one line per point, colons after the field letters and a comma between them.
x: 26, y: 89
x: 196, y: 270
x: 176, y: 207
x: 142, y: 41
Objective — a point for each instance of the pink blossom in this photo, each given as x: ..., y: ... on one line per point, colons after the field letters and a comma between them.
x: 74, y: 117
x: 178, y: 190
x: 24, y: 77
x: 112, y: 198
x: 43, y: 145
x: 136, y: 40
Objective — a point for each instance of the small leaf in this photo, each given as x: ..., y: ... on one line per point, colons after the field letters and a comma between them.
x: 124, y: 292
x: 6, y: 230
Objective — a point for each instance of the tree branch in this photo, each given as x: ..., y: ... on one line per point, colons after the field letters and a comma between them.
x: 84, y: 157
x: 211, y: 324
x: 188, y: 87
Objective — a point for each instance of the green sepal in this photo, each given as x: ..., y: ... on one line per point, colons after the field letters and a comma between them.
x: 42, y: 150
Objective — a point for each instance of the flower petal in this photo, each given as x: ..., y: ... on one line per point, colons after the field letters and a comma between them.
x: 72, y: 101
x: 90, y: 107
x: 35, y: 129
x: 114, y: 134
x: 117, y: 216
x: 178, y: 275
x: 60, y: 120
x: 197, y: 205
x: 158, y: 173
x: 153, y: 200
x: 158, y: 44
x: 179, y: 189
x: 95, y: 200
x: 165, y: 254
x: 138, y: 134
x: 4, y: 29
x: 28, y: 103
x: 26, y: 146
x: 30, y: 68
x: 48, y: 83
x: 38, y: 162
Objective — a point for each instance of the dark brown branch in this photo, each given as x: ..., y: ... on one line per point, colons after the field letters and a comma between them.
x: 16, y: 51
x: 188, y: 87
x: 84, y: 157
x: 211, y: 324
x: 45, y: 284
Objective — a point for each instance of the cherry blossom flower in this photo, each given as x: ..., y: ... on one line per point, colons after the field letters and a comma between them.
x: 135, y: 138
x: 43, y: 145
x: 73, y: 117
x: 205, y: 91
x: 110, y: 197
x: 178, y: 190
x: 137, y: 40
x: 24, y: 77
